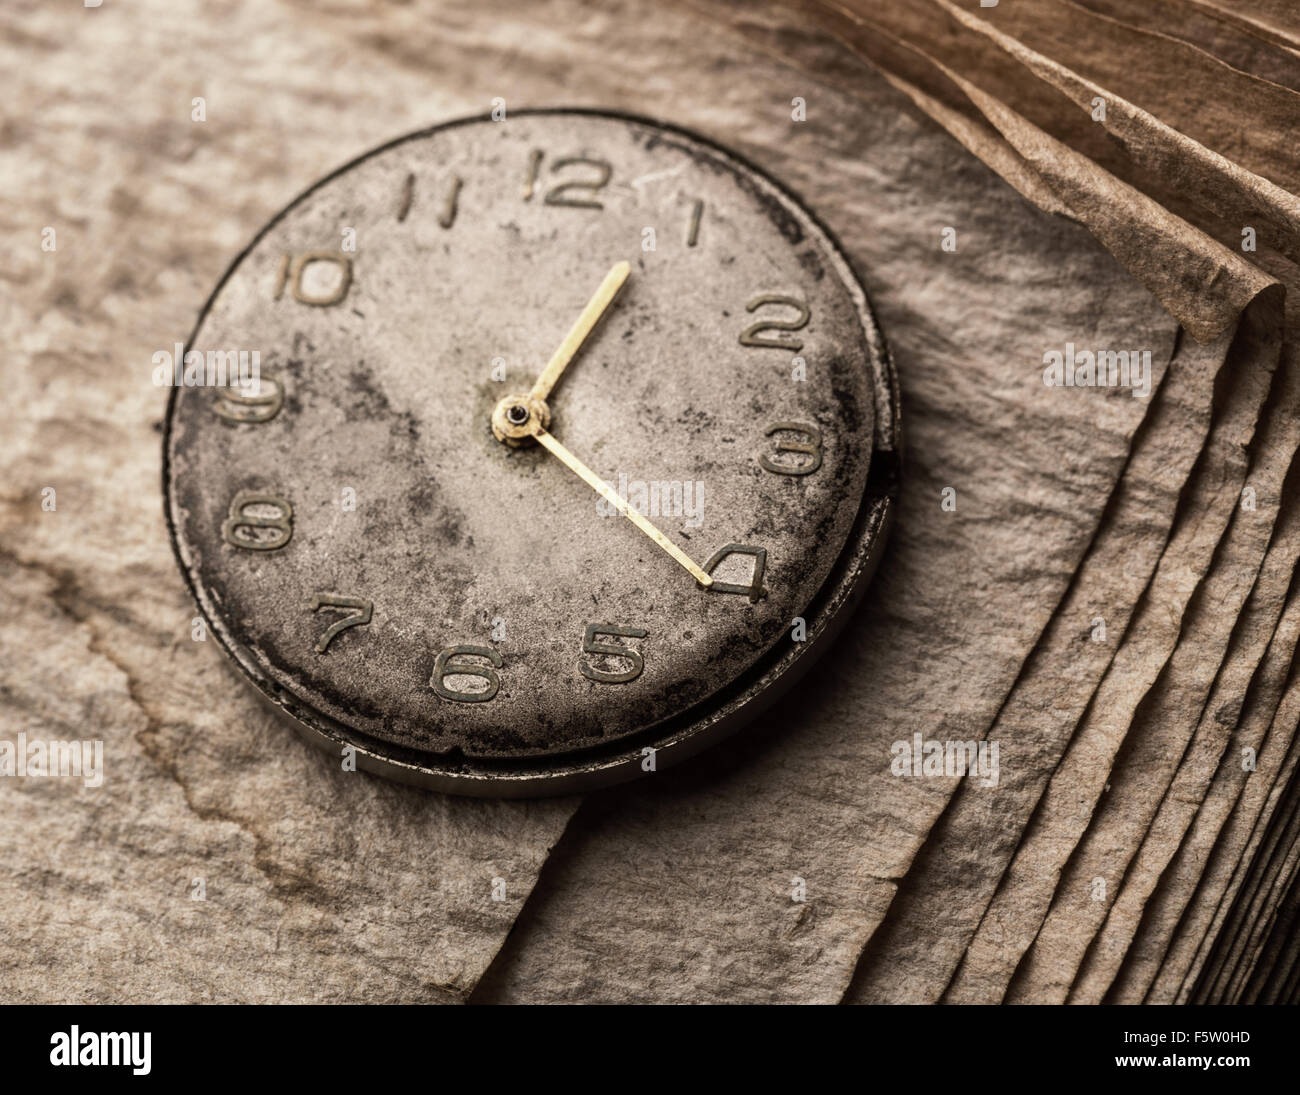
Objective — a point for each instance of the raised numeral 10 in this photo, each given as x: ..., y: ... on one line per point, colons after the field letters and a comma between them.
x: 293, y: 267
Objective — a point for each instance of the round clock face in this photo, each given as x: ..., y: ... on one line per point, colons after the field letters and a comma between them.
x: 571, y: 438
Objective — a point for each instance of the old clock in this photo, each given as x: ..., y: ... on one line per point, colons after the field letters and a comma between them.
x: 570, y: 441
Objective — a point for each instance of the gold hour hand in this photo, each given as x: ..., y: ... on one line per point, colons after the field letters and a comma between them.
x: 610, y: 495
x: 581, y: 328
x: 520, y: 417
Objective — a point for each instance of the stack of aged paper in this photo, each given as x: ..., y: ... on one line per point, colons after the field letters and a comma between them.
x: 1141, y: 846
x: 1091, y: 584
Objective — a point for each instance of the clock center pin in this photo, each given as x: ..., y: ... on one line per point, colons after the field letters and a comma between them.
x: 515, y: 418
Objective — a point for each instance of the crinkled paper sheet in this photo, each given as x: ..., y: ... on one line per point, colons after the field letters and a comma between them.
x: 1193, y: 180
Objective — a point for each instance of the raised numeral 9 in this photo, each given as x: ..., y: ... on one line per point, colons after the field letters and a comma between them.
x: 237, y: 406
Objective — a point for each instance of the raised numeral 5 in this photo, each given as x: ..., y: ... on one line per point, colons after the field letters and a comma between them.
x: 612, y: 650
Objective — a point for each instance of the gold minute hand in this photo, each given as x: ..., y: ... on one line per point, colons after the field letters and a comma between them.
x: 581, y: 328
x: 600, y: 486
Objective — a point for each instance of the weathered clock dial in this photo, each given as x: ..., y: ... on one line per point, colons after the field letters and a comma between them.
x: 574, y: 439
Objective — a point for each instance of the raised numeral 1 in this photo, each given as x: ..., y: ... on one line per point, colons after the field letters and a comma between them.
x: 238, y: 406
x: 693, y: 232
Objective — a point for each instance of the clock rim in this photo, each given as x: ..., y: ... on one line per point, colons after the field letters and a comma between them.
x: 678, y: 737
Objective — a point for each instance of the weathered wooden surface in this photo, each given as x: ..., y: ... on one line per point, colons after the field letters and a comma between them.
x: 318, y: 884
x: 324, y: 885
